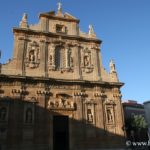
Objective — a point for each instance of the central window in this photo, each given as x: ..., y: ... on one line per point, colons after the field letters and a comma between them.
x: 59, y: 57
x: 61, y: 28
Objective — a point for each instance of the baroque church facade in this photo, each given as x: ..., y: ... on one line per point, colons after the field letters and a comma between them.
x: 54, y: 93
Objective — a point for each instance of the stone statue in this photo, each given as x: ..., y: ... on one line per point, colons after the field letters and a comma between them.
x: 86, y: 60
x: 112, y: 66
x: 109, y: 116
x: 3, y: 112
x: 71, y: 62
x: 89, y: 116
x: 29, y: 116
x: 91, y: 30
x: 24, y: 17
x: 50, y: 60
x: 24, y: 23
x: 31, y: 56
x: 59, y: 6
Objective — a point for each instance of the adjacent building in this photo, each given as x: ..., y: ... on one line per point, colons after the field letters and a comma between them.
x: 55, y: 93
x: 135, y: 111
x: 132, y: 107
x: 147, y: 115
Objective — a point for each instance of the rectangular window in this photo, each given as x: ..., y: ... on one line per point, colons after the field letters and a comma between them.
x: 61, y: 28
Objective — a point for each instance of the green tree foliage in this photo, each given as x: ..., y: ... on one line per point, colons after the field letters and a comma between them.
x: 138, y: 122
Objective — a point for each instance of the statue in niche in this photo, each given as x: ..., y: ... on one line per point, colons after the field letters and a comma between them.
x: 31, y: 56
x: 109, y: 116
x: 86, y: 60
x: 89, y: 116
x: 3, y: 112
x: 112, y: 66
x: 71, y: 62
x: 87, y: 66
x: 28, y: 118
x: 50, y: 59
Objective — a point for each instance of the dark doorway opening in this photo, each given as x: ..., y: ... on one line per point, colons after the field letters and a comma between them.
x: 60, y: 133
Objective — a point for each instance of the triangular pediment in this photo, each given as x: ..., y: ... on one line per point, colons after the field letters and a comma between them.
x: 68, y: 16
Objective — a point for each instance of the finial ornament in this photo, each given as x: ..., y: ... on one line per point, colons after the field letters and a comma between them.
x: 112, y: 66
x: 24, y: 23
x: 24, y: 17
x: 59, y: 6
x: 91, y: 32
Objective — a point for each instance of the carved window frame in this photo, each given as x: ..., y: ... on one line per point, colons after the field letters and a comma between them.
x: 35, y: 49
x: 60, y: 58
x: 86, y: 53
x: 90, y: 105
x: 61, y: 28
x: 110, y: 107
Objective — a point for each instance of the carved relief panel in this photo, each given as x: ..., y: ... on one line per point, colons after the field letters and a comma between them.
x: 61, y: 102
x: 86, y: 61
x: 33, y: 55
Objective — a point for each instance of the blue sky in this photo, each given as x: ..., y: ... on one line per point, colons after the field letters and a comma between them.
x: 122, y: 25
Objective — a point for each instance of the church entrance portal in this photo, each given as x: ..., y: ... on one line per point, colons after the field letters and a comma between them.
x: 60, y: 133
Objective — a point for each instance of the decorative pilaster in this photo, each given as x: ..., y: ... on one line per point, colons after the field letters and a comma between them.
x: 67, y: 57
x: 21, y: 51
x: 51, y: 57
x: 43, y: 58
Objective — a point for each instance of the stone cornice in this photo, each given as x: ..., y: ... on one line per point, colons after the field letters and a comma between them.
x: 58, y: 18
x: 56, y: 35
x: 53, y: 80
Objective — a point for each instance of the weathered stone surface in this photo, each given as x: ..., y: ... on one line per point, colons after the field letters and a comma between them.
x: 56, y: 70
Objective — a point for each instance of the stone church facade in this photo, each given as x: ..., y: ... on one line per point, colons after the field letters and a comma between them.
x: 55, y: 93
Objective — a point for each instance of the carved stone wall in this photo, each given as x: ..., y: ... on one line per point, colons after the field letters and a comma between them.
x: 56, y: 70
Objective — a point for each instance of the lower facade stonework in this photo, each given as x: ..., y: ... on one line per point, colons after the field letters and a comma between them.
x: 66, y: 117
